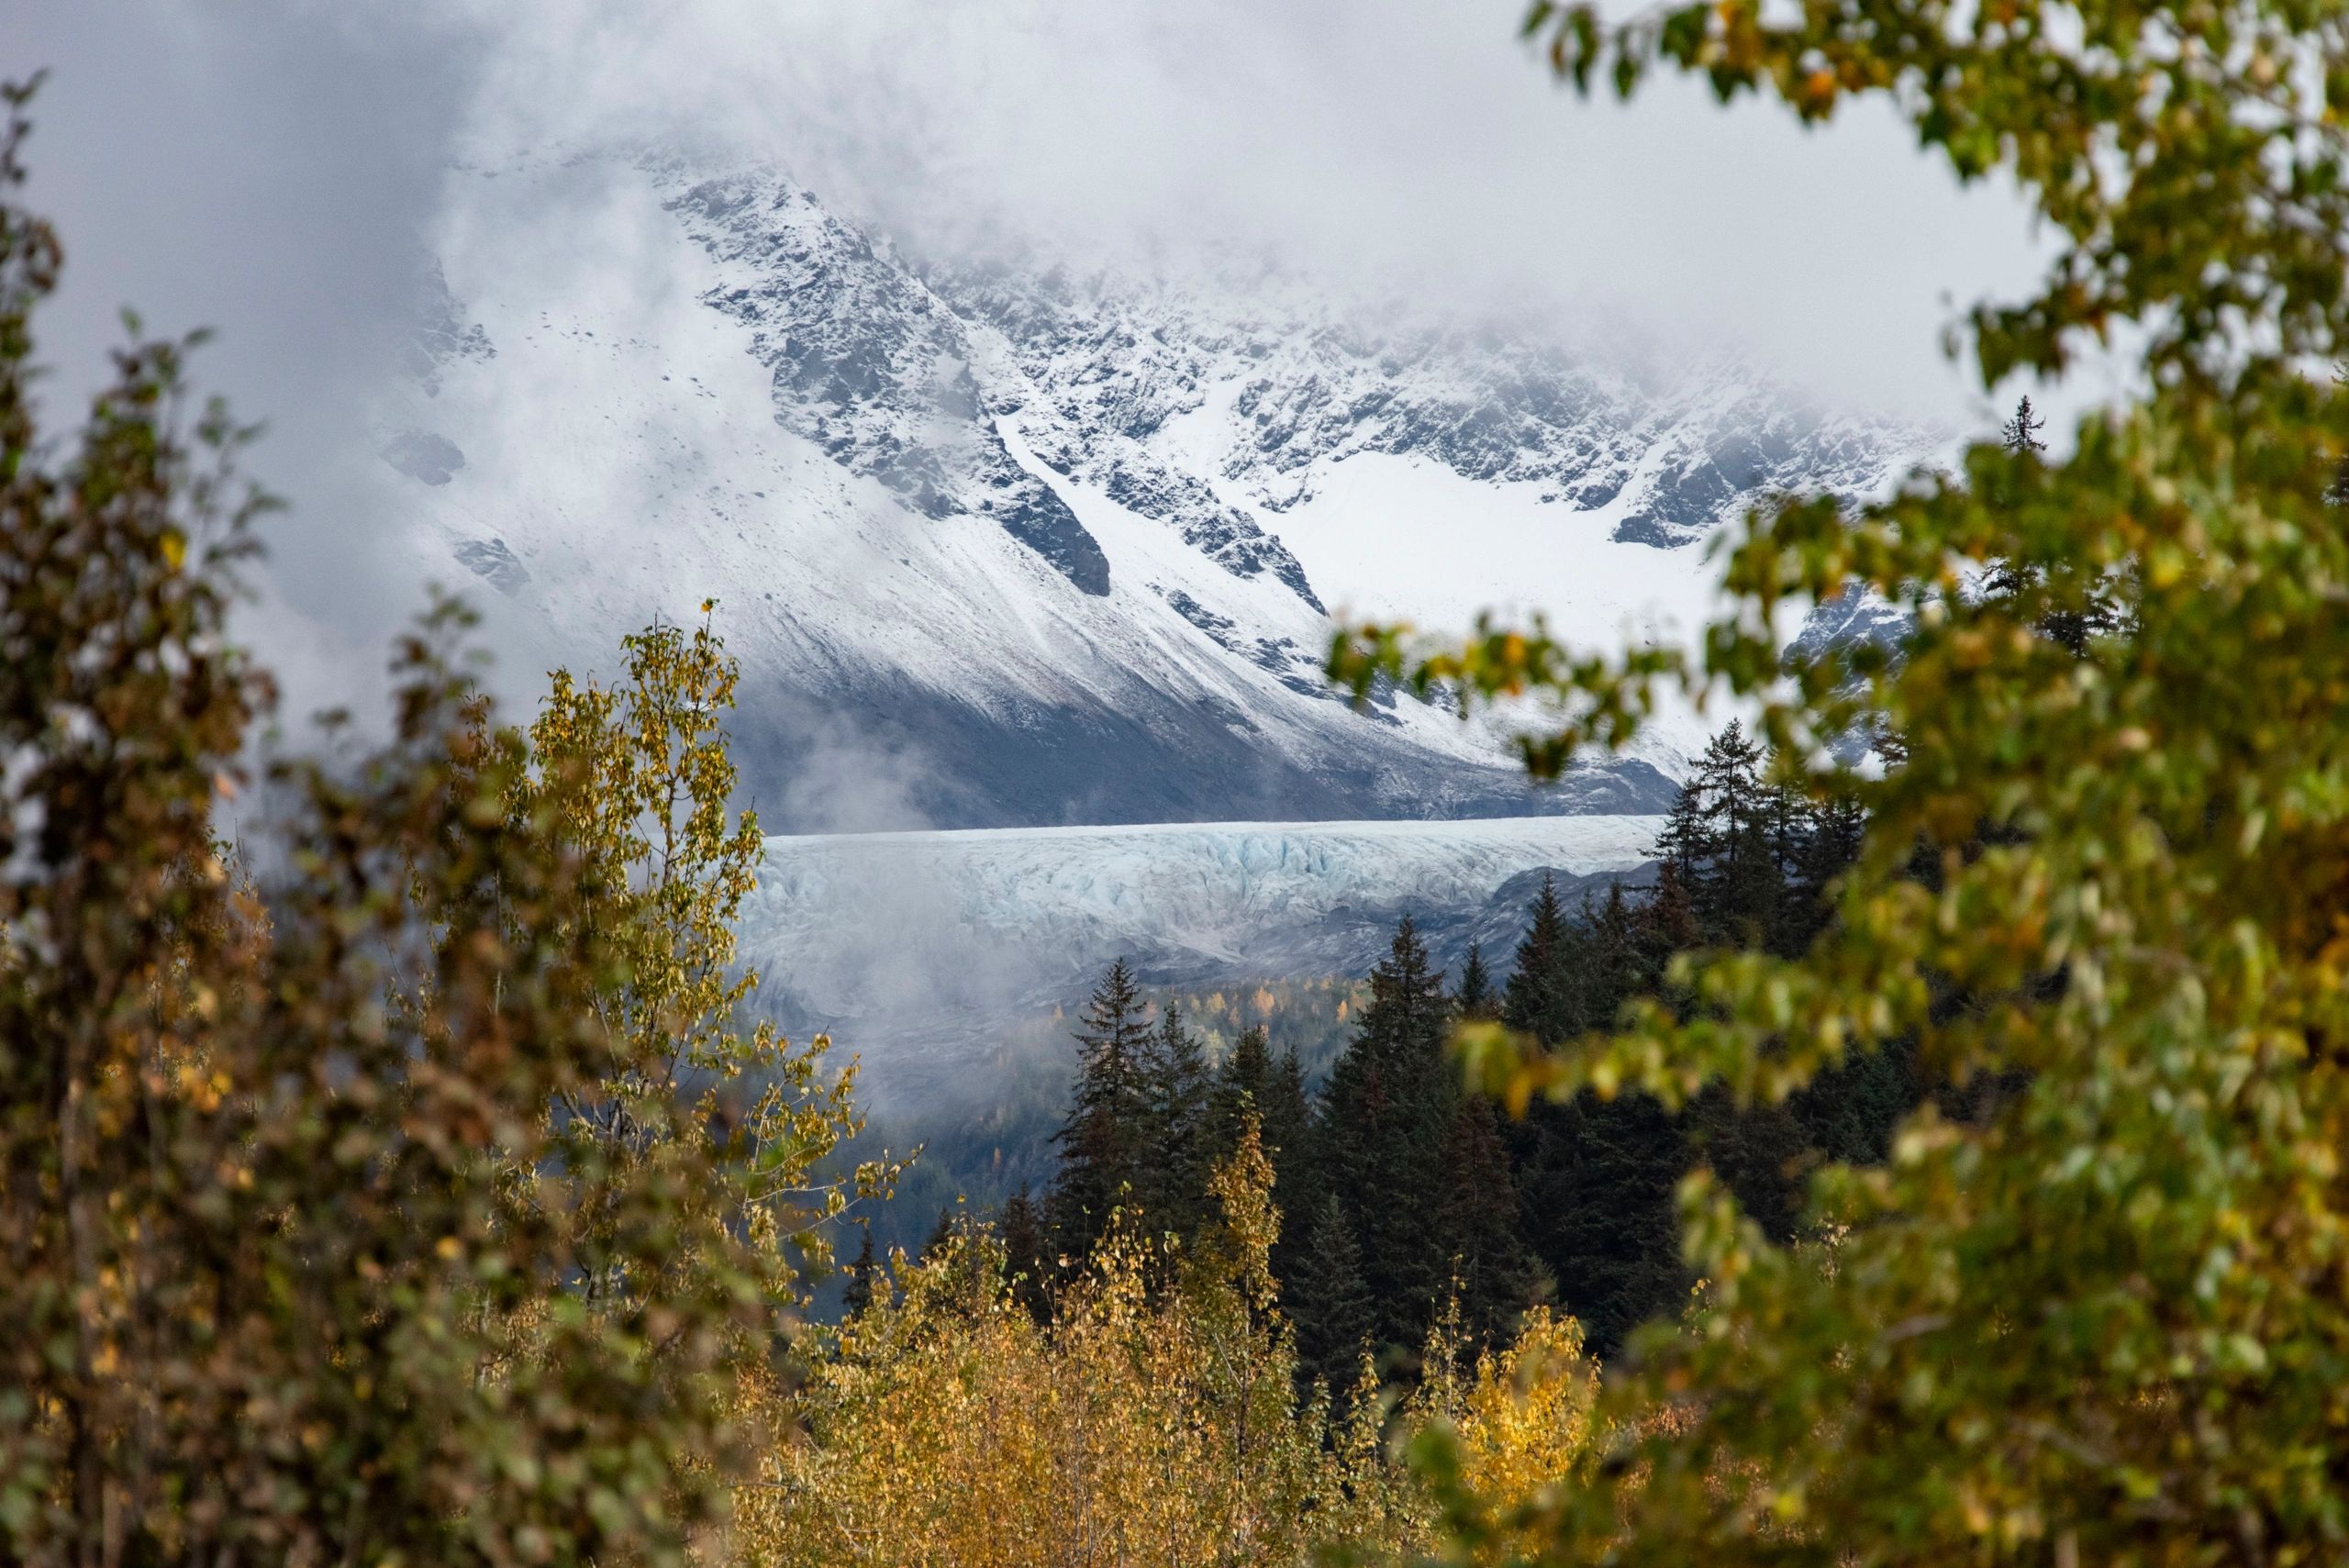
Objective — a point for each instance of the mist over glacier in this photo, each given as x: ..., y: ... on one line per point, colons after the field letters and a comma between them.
x: 915, y: 949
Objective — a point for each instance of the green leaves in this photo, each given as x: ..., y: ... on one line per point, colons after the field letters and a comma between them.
x: 299, y: 1268
x: 2101, y: 886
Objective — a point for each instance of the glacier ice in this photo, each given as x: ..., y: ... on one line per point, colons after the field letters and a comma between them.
x: 911, y: 944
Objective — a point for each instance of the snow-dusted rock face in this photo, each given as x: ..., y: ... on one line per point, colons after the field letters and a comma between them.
x: 1288, y: 383
x: 1000, y: 545
x: 870, y: 366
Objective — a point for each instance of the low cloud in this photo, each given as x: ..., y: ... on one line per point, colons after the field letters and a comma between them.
x: 279, y: 170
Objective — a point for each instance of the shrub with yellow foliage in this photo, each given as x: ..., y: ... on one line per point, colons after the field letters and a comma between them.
x: 1518, y: 1423
x: 1155, y: 1420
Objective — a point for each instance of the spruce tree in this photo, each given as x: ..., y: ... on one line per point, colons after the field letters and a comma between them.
x: 1790, y: 822
x: 1736, y: 891
x: 1253, y: 1081
x: 1849, y: 1112
x: 1386, y: 1115
x: 2019, y: 434
x: 1687, y: 844
x: 1286, y: 1129
x: 857, y: 1296
x: 941, y: 1231
x: 1172, y: 1128
x: 1243, y: 1082
x: 2085, y: 606
x: 1599, y: 1211
x: 1666, y: 924
x: 1287, y: 1111
x: 1757, y: 1150
x: 1594, y: 1177
x: 1022, y: 1231
x: 1834, y: 844
x: 1497, y: 1275
x: 1539, y: 998
x: 1098, y: 1143
x: 1476, y: 998
x: 1329, y: 1301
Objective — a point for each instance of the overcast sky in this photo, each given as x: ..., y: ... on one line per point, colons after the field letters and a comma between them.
x: 263, y: 165
x: 271, y: 167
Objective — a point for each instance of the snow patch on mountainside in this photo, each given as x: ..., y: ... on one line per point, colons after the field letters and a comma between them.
x: 1000, y: 547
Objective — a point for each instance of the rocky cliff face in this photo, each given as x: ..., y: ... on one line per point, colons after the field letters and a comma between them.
x: 1011, y: 544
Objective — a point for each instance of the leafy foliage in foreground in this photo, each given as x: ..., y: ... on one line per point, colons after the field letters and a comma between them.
x: 319, y: 1243
x: 2104, y: 1322
x: 1141, y: 1425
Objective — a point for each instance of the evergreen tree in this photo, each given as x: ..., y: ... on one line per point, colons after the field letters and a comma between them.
x: 1598, y: 1200
x: 858, y: 1294
x: 1172, y: 1155
x: 1329, y: 1301
x: 2019, y: 437
x: 1666, y: 923
x: 1099, y: 1147
x: 1745, y: 862
x: 2075, y: 607
x: 1757, y: 1150
x: 1021, y: 1230
x: 1594, y: 1177
x: 1539, y: 998
x: 2021, y: 434
x: 1253, y: 1081
x: 1834, y: 844
x: 1736, y: 895
x: 1288, y: 1113
x: 1477, y: 996
x: 1790, y: 824
x: 1286, y: 1130
x: 1243, y: 1084
x: 1609, y: 961
x: 1849, y: 1112
x: 1497, y: 1275
x: 1385, y: 1118
x: 1686, y: 842
x: 941, y: 1231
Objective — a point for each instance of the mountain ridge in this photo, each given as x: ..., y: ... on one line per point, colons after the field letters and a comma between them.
x: 1036, y: 548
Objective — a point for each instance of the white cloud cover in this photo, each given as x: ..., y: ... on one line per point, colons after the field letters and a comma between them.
x: 270, y: 154
x: 1385, y: 142
x: 272, y: 168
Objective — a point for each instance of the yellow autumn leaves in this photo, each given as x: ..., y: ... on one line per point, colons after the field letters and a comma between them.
x: 1154, y: 1422
x: 636, y: 779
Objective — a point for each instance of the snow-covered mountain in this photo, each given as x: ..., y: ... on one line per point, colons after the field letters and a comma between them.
x: 1019, y: 544
x: 914, y: 948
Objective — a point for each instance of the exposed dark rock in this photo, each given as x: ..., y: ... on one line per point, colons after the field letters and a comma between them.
x: 422, y: 455
x: 870, y: 366
x: 494, y: 563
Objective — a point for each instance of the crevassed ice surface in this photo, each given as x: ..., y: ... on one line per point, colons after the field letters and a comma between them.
x: 865, y: 925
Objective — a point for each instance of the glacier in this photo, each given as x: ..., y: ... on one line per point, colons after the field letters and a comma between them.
x: 911, y: 948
